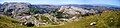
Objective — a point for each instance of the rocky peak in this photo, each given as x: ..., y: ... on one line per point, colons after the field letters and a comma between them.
x: 15, y: 8
x: 75, y: 10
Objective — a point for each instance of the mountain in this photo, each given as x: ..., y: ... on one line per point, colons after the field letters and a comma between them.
x: 103, y: 20
x: 14, y: 8
x: 45, y: 8
x: 49, y: 8
x: 42, y: 15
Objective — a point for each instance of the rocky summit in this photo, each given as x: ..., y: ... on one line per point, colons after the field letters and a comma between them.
x: 14, y: 8
x: 42, y: 15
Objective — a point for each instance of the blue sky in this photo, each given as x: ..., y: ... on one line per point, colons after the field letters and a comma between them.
x: 109, y: 2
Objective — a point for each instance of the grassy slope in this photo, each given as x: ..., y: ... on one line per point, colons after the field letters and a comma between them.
x: 103, y: 21
x: 6, y: 22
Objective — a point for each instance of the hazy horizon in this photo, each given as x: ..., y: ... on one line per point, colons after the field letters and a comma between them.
x: 63, y: 2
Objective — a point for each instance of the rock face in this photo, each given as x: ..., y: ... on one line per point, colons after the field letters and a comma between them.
x: 15, y: 8
x: 71, y: 10
x: 1, y: 9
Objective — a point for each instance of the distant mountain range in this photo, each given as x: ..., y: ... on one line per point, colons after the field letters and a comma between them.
x: 48, y: 8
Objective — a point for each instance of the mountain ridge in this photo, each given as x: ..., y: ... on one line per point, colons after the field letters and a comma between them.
x: 42, y: 15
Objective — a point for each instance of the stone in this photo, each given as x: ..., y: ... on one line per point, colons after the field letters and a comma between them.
x: 93, y: 23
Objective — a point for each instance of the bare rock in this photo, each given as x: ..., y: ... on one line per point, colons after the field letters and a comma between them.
x: 14, y: 8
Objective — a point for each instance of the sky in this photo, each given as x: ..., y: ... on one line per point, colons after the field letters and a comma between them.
x: 60, y: 2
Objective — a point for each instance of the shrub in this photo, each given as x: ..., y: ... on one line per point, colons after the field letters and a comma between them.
x: 33, y: 10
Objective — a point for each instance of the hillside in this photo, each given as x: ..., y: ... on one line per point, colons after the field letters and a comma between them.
x: 26, y: 15
x: 109, y: 19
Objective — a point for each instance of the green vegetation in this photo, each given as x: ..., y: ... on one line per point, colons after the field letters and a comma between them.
x: 46, y: 19
x: 33, y: 10
x: 60, y: 15
x: 7, y: 22
x: 109, y: 19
